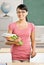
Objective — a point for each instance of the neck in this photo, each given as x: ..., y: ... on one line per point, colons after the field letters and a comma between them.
x: 22, y: 21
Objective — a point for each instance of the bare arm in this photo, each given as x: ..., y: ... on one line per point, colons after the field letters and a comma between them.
x: 33, y: 45
x: 9, y: 31
x: 9, y: 39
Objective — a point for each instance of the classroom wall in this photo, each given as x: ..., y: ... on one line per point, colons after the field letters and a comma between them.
x: 39, y: 30
x: 14, y: 4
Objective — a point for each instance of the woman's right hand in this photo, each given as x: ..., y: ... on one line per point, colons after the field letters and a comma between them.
x: 8, y: 39
x: 16, y: 41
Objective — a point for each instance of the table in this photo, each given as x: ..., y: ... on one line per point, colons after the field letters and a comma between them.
x: 25, y: 63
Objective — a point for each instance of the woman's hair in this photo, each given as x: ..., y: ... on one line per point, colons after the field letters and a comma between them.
x: 23, y: 7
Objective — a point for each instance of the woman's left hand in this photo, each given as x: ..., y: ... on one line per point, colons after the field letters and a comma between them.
x: 33, y: 53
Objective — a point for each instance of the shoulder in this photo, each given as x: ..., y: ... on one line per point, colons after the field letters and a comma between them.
x: 12, y: 24
x: 31, y: 24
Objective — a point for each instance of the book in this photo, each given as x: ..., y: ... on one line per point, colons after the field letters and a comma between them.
x: 8, y: 34
x: 12, y: 37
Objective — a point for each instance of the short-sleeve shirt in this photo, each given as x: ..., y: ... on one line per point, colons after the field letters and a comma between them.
x: 22, y: 52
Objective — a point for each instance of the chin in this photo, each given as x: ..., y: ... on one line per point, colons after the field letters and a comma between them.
x: 20, y: 19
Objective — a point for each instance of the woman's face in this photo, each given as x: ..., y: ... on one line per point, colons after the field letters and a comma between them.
x: 21, y: 14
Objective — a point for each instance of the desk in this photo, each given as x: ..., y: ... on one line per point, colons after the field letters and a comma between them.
x: 5, y: 53
x: 7, y: 50
x: 25, y: 63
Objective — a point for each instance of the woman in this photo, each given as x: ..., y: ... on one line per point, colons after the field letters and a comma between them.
x: 26, y: 31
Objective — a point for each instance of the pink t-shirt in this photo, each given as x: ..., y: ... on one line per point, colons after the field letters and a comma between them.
x: 22, y: 52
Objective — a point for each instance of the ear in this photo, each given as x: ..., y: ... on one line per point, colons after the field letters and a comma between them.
x: 27, y: 13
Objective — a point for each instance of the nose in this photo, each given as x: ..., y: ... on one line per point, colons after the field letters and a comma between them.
x: 20, y: 14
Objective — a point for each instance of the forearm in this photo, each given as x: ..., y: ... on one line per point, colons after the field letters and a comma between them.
x: 11, y: 43
x: 33, y: 45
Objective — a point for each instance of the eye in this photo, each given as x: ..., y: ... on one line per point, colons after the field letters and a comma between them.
x: 23, y: 11
x: 18, y: 12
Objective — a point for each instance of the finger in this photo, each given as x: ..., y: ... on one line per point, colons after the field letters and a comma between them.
x: 33, y: 55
